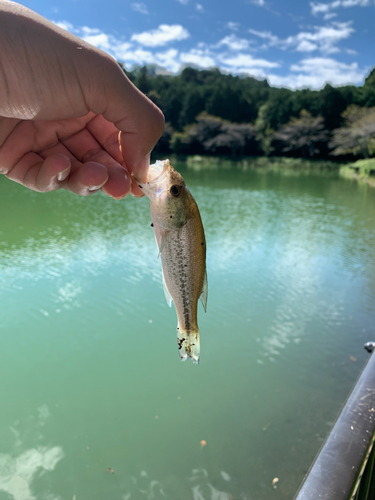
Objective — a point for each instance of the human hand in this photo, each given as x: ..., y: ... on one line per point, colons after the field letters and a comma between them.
x: 69, y: 117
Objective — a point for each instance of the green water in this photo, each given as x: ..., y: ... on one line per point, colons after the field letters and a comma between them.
x: 90, y: 373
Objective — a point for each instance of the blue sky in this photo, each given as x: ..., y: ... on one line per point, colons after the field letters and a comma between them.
x: 291, y: 43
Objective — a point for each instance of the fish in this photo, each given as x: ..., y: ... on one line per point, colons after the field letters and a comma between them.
x: 181, y: 241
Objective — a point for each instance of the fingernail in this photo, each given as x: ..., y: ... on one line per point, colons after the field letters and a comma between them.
x: 95, y: 188
x: 141, y: 171
x: 61, y: 176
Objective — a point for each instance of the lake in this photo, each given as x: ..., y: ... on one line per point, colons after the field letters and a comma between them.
x: 95, y: 402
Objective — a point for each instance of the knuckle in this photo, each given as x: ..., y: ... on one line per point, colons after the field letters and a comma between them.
x: 159, y: 121
x: 93, y: 154
x: 5, y: 170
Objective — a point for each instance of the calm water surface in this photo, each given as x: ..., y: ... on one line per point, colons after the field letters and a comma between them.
x: 90, y: 373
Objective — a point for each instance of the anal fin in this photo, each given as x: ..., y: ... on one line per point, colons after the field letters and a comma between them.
x: 168, y: 296
x: 162, y: 242
x: 204, y: 292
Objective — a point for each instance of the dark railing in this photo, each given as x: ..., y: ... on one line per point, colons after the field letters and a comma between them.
x: 345, y: 467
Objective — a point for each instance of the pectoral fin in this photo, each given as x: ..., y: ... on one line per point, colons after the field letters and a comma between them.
x: 167, y: 294
x: 203, y: 295
x: 163, y: 239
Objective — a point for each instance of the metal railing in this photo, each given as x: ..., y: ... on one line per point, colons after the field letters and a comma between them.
x: 345, y: 467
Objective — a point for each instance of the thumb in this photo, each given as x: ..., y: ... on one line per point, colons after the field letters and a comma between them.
x: 140, y: 131
x: 138, y: 119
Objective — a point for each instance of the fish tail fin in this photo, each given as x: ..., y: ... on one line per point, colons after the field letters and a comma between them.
x: 189, y: 345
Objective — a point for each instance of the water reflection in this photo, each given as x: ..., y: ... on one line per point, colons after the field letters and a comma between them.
x: 204, y: 490
x: 20, y: 467
x: 85, y: 326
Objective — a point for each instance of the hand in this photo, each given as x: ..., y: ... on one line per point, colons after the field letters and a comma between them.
x: 69, y: 117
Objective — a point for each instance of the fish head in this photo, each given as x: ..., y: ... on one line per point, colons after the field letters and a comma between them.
x: 169, y: 196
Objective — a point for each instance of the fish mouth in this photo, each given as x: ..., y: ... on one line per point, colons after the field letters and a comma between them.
x: 155, y: 173
x: 157, y: 179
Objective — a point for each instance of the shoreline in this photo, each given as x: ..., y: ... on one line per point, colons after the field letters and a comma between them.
x: 361, y: 170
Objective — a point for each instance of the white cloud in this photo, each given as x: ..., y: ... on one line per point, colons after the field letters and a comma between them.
x: 306, y: 46
x: 322, y: 38
x: 233, y: 57
x: 169, y: 60
x: 234, y: 43
x: 119, y: 49
x: 199, y: 7
x: 329, y: 15
x: 260, y: 3
x: 315, y: 72
x: 247, y: 61
x: 139, y: 7
x: 65, y: 25
x: 266, y: 35
x: 164, y: 34
x: 86, y: 30
x: 138, y: 56
x: 100, y: 40
x: 183, y: 2
x: 198, y: 58
x: 232, y: 26
x: 319, y: 8
x: 324, y: 8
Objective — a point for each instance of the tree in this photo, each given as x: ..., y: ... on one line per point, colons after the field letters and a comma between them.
x: 303, y: 133
x: 332, y: 105
x: 192, y: 105
x: 368, y: 90
x: 240, y: 99
x: 265, y: 133
x: 357, y: 135
x: 163, y: 144
x: 212, y: 134
x: 233, y: 136
x: 142, y: 80
x: 206, y: 128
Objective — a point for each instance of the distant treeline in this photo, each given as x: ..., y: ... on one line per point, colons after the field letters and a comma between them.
x: 207, y: 112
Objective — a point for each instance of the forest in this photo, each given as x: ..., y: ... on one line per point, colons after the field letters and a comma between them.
x: 212, y: 113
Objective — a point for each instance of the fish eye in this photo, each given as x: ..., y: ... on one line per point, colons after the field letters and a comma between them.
x: 175, y: 190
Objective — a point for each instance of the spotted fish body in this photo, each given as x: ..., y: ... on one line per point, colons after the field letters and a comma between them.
x: 182, y: 247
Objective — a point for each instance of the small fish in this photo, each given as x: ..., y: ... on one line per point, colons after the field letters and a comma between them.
x: 180, y: 238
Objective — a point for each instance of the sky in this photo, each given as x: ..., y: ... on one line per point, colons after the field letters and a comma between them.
x: 291, y: 43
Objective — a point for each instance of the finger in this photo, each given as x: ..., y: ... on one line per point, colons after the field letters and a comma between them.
x: 83, y: 146
x: 107, y: 135
x: 142, y: 169
x: 34, y: 136
x: 121, y: 103
x: 136, y: 146
x: 87, y: 178
x: 52, y: 172
x: 119, y: 182
x: 38, y: 174
x: 136, y: 191
x: 57, y: 149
